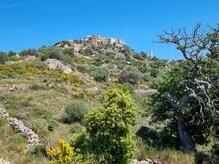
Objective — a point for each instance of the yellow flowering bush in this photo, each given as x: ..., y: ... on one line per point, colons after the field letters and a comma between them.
x: 37, y: 69
x: 63, y: 154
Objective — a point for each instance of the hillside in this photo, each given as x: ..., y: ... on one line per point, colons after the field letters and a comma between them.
x: 36, y: 85
x: 46, y: 93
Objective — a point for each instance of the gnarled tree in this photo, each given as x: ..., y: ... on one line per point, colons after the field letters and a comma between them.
x: 193, y: 92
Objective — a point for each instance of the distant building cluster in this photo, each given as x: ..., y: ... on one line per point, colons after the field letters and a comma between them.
x: 95, y: 40
x: 90, y: 41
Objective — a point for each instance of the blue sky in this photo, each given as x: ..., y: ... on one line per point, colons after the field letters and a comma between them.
x: 33, y: 23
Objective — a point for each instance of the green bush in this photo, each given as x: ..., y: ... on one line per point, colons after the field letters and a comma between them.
x: 146, y: 77
x: 11, y: 54
x: 110, y: 136
x: 47, y: 53
x: 154, y: 72
x: 130, y: 77
x: 100, y: 75
x: 38, y: 151
x: 75, y: 111
x: 3, y: 58
x: 77, y: 128
x: 31, y: 52
x: 110, y: 55
x: 86, y: 52
x: 41, y: 125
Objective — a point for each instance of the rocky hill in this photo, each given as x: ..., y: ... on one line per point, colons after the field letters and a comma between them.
x: 36, y: 85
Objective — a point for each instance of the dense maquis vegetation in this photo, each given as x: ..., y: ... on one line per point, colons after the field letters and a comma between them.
x: 105, y: 103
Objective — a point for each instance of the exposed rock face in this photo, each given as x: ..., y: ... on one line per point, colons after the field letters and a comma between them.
x: 21, y: 129
x: 58, y: 65
x: 147, y: 161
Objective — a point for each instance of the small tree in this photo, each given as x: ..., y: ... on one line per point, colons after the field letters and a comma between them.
x: 3, y: 57
x: 101, y: 75
x: 109, y: 127
x: 75, y: 111
x: 131, y: 77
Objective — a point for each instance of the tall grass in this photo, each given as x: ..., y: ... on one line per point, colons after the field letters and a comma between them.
x: 165, y: 156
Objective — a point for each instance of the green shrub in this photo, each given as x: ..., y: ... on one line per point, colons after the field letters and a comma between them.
x: 38, y: 151
x: 86, y: 52
x: 75, y: 111
x: 154, y: 72
x: 11, y: 54
x: 31, y: 52
x: 40, y: 125
x: 77, y: 128
x: 146, y: 77
x: 3, y: 57
x: 100, y: 75
x: 110, y: 55
x: 110, y: 136
x: 47, y: 53
x: 80, y: 141
x: 130, y: 77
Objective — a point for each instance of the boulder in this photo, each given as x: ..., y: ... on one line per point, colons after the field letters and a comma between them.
x: 58, y: 65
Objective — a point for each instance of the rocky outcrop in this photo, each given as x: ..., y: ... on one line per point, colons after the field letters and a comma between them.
x: 19, y: 127
x: 58, y: 65
x: 147, y: 161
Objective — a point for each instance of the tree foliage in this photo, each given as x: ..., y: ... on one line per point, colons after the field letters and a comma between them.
x: 187, y: 96
x: 109, y: 127
x: 3, y: 57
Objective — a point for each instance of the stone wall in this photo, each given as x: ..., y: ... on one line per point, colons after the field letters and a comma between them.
x: 19, y: 127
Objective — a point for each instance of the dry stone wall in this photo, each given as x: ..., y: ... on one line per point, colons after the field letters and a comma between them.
x: 19, y: 127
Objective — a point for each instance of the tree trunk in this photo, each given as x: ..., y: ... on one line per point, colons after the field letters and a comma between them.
x: 185, y: 138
